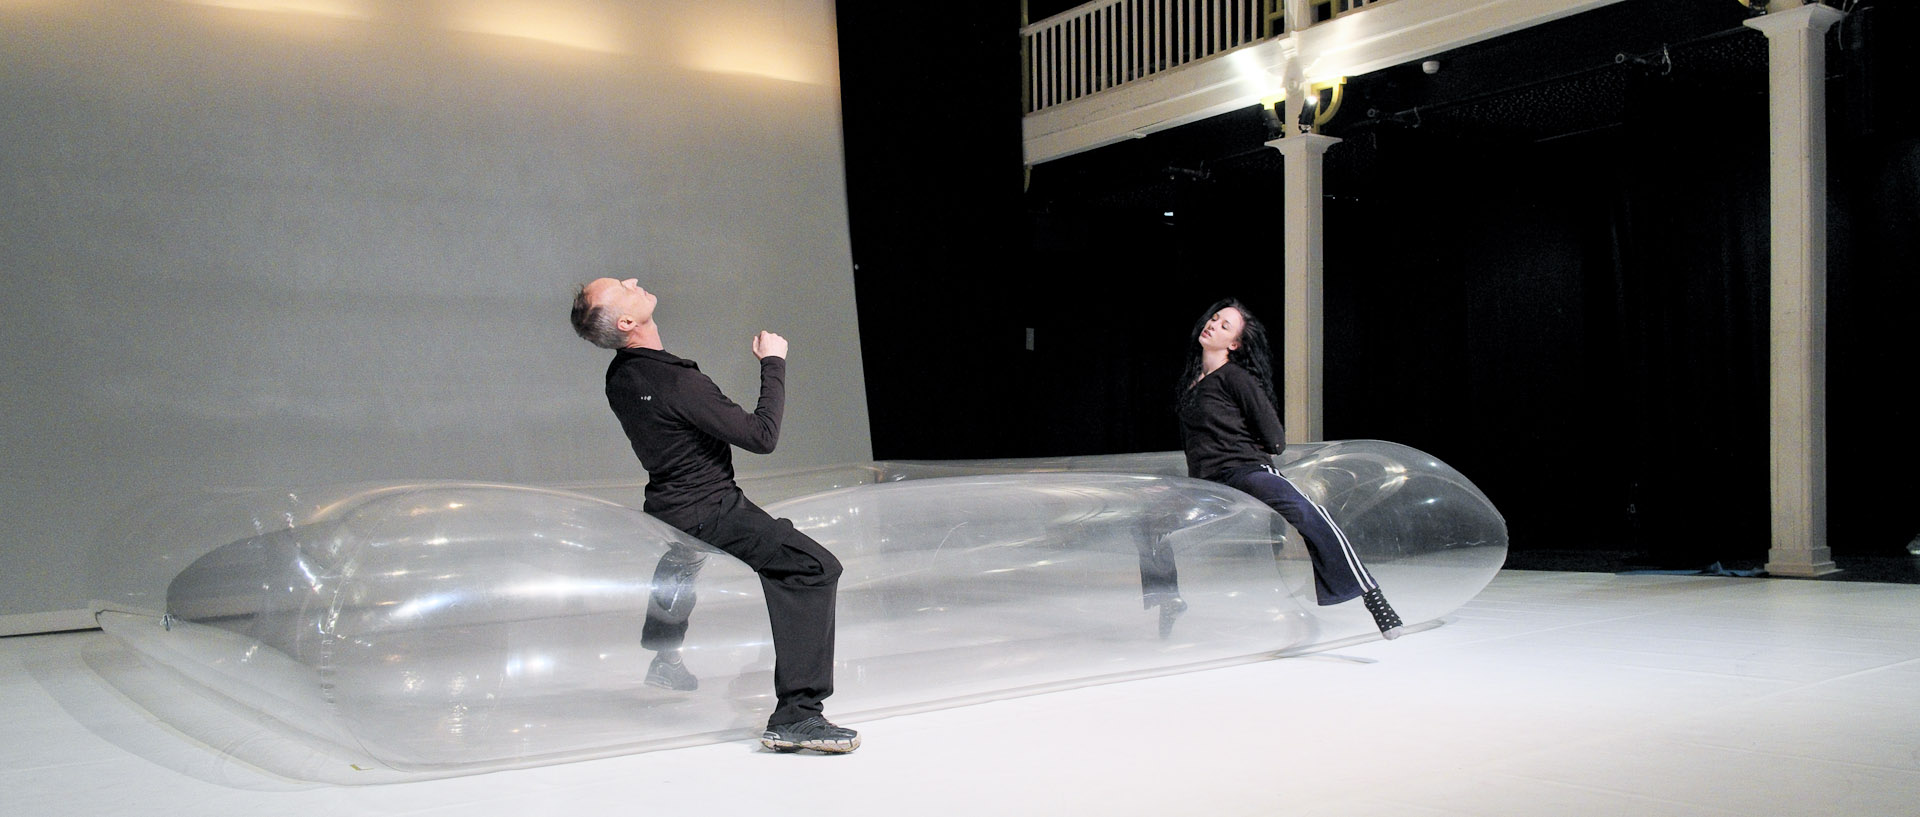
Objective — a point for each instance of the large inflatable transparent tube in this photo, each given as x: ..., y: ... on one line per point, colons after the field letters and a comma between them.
x: 446, y: 628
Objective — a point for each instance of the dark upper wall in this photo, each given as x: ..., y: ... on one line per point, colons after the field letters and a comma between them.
x: 1546, y: 265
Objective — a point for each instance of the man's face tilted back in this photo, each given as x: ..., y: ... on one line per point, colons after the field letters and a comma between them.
x: 631, y: 305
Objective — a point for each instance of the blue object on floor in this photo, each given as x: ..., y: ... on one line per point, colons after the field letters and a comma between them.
x: 1715, y: 569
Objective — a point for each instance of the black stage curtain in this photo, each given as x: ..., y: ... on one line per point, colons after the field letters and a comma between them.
x: 1573, y: 312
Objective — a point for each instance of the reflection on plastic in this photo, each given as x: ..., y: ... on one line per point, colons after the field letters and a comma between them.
x: 447, y: 628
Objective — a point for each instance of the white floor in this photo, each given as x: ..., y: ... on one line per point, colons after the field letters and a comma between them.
x: 1559, y: 694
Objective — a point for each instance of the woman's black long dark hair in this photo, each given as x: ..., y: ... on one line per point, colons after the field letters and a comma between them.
x: 1252, y: 354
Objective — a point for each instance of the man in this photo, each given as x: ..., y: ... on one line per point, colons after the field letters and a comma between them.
x: 683, y: 429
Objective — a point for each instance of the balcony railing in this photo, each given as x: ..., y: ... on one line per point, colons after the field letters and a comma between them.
x: 1109, y: 43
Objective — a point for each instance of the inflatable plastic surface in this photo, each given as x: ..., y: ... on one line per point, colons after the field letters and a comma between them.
x: 448, y: 628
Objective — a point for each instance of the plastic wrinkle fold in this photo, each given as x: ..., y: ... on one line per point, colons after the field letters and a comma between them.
x: 448, y: 628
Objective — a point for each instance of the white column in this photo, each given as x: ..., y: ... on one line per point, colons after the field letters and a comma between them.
x: 1797, y: 350
x: 1302, y: 336
x: 1299, y: 13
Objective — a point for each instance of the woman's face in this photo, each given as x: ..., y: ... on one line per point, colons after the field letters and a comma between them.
x: 1222, y: 332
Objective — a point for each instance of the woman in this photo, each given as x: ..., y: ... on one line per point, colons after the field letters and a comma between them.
x: 1230, y: 431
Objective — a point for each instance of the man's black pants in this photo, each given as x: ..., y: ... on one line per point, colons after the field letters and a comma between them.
x: 799, y: 578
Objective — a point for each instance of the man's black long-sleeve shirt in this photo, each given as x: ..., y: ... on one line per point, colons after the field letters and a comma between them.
x: 683, y: 429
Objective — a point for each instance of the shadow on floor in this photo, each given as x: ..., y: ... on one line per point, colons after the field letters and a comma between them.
x: 1890, y: 569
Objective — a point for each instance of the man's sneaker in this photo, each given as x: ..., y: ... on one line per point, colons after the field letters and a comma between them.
x: 813, y: 733
x: 1170, y: 609
x: 672, y: 675
x: 1383, y: 615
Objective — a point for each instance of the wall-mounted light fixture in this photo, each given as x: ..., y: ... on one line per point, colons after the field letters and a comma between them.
x: 1269, y: 113
x: 1321, y: 103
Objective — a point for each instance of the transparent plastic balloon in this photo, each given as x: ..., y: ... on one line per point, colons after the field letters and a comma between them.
x: 448, y: 628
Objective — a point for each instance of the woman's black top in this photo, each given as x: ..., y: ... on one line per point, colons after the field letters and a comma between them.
x: 1228, y: 425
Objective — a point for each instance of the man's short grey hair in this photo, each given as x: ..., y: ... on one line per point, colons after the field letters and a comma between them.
x: 596, y: 324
